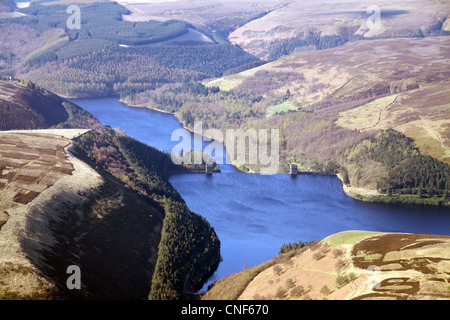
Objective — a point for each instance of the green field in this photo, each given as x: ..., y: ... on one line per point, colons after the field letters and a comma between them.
x: 366, y: 116
x: 281, y: 108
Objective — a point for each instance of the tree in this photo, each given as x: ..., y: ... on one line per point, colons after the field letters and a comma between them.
x: 188, y: 118
x: 290, y: 283
x: 297, y: 291
x: 344, y: 174
x: 419, y: 193
x: 287, y: 95
x: 325, y: 290
x: 277, y: 270
x: 280, y: 293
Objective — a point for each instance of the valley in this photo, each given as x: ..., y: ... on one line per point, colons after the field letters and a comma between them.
x: 357, y: 93
x: 327, y: 101
x: 269, y: 28
x: 93, y: 198
x: 252, y: 214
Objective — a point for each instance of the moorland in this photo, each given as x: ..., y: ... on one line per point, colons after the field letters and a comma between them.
x: 368, y: 104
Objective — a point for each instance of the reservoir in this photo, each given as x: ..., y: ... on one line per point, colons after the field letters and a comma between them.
x: 254, y: 215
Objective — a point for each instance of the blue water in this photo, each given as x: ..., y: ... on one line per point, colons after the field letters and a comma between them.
x: 254, y: 215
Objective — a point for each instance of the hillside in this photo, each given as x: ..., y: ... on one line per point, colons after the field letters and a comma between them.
x: 389, y: 164
x: 269, y: 29
x: 218, y: 18
x: 23, y: 105
x: 368, y: 104
x: 328, y: 104
x: 410, y: 76
x: 351, y: 265
x: 325, y: 101
x: 7, y: 5
x: 311, y: 25
x: 60, y: 213
x: 101, y: 57
x: 19, y: 106
x: 99, y: 200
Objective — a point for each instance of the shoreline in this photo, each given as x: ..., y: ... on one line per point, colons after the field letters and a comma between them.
x: 152, y: 108
x: 233, y: 163
x: 183, y: 125
x: 372, y: 196
x: 358, y: 194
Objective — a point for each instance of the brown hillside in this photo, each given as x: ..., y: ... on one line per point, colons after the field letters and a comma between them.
x: 57, y: 211
x: 22, y: 107
x: 346, y: 18
x: 352, y: 265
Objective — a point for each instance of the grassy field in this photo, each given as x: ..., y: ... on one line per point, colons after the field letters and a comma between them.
x: 281, y: 108
x: 367, y: 116
x: 348, y: 237
x: 429, y: 142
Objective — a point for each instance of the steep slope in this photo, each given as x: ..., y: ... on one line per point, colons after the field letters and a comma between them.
x: 97, y: 200
x: 352, y: 265
x: 23, y: 105
x: 63, y: 207
x: 20, y: 105
x: 189, y: 251
x: 61, y: 212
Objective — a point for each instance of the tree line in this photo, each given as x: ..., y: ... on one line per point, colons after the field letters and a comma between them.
x: 101, y: 21
x: 91, y: 62
x: 408, y: 171
x: 189, y: 253
x: 189, y: 249
x: 288, y: 247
